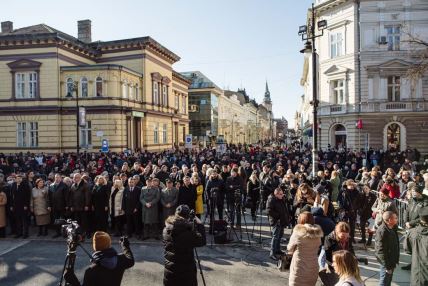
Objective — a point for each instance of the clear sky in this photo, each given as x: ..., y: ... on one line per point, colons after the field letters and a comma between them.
x: 236, y: 43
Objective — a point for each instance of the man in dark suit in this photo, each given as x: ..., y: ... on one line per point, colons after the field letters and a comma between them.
x: 58, y: 193
x: 80, y: 201
x: 132, y: 206
x: 20, y: 206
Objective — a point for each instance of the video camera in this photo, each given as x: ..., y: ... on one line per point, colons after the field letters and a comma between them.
x: 71, y: 230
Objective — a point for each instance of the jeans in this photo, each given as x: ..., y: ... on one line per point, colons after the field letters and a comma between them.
x: 385, y: 279
x: 277, y: 233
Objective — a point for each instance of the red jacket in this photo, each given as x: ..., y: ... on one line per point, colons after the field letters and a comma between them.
x: 394, y: 190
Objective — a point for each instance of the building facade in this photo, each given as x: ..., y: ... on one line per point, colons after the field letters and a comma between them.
x: 366, y: 96
x: 131, y: 95
x: 203, y: 106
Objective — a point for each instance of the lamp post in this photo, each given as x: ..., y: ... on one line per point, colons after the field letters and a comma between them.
x: 69, y: 96
x: 308, y: 35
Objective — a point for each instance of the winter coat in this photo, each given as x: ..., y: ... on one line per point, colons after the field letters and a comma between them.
x: 218, y: 185
x: 411, y: 215
x: 168, y: 197
x: 80, y: 196
x: 365, y: 203
x: 331, y: 244
x: 416, y: 244
x: 58, y: 194
x: 20, y: 197
x: 3, y: 202
x: 327, y: 224
x: 387, y: 246
x: 100, y: 198
x: 107, y: 268
x: 187, y: 196
x: 394, y: 190
x: 347, y: 200
x: 335, y: 184
x: 253, y: 190
x: 277, y: 211
x: 39, y: 201
x: 117, y: 210
x: 179, y: 239
x: 150, y: 195
x: 381, y: 206
x: 199, y: 205
x: 304, y: 243
x: 131, y: 200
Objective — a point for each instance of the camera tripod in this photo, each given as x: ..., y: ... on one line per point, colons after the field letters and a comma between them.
x: 261, y: 201
x: 70, y: 258
x: 198, y: 259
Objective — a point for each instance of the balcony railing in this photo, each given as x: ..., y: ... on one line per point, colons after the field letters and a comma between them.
x: 371, y: 107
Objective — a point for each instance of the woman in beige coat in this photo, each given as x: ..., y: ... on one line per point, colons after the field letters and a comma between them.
x: 39, y: 205
x: 303, y: 245
x: 3, y: 202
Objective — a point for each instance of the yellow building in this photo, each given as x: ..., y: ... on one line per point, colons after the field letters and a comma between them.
x: 131, y: 95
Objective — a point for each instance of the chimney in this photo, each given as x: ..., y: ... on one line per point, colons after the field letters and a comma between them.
x: 6, y: 27
x: 83, y: 31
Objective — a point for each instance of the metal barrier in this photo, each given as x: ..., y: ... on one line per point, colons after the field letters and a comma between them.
x: 401, y: 207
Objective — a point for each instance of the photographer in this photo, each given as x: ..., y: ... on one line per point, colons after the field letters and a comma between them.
x: 180, y: 237
x: 107, y: 266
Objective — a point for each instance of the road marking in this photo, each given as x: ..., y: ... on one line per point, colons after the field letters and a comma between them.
x: 22, y: 243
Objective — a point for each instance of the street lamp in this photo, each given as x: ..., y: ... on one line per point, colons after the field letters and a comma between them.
x: 308, y: 35
x: 70, y: 90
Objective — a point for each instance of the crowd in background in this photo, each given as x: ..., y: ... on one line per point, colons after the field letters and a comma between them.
x: 133, y: 193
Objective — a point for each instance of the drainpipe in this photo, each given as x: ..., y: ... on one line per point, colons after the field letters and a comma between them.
x: 359, y: 65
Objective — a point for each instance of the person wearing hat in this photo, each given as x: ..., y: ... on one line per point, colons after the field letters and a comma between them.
x: 416, y: 244
x: 149, y: 198
x: 180, y: 237
x: 107, y: 266
x: 169, y: 198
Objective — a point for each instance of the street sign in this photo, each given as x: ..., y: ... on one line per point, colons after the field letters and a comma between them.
x: 104, y: 145
x: 82, y: 116
x: 221, y: 148
x: 99, y: 133
x: 188, y: 143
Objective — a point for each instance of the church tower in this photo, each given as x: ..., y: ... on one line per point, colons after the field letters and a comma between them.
x: 267, y: 102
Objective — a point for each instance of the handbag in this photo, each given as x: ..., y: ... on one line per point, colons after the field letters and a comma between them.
x: 284, y: 262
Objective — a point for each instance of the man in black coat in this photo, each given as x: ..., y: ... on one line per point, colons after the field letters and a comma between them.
x: 20, y: 206
x: 215, y: 194
x: 107, y: 266
x: 279, y: 218
x: 187, y: 194
x: 80, y: 201
x: 132, y: 206
x: 234, y: 197
x: 180, y: 237
x: 387, y: 248
x: 58, y: 193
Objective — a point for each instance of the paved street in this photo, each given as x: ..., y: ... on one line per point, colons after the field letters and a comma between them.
x: 39, y: 262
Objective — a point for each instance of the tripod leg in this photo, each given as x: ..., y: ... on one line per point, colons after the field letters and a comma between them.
x: 246, y: 229
x: 63, y: 270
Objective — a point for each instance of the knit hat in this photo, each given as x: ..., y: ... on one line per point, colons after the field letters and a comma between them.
x: 183, y: 211
x: 101, y: 240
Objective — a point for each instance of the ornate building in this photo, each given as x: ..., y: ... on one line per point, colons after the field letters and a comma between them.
x: 131, y: 95
x: 364, y: 56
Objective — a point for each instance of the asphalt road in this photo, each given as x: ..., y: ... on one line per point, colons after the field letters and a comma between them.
x: 40, y: 261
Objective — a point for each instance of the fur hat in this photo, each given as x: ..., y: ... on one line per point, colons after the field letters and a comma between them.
x: 183, y: 211
x: 101, y: 240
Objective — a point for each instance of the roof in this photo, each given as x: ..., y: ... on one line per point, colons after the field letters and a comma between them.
x: 43, y: 30
x: 199, y: 80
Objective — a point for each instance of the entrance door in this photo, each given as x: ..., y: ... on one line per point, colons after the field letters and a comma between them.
x: 339, y: 136
x: 393, y: 136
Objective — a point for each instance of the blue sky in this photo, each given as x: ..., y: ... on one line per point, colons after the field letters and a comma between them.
x: 236, y: 43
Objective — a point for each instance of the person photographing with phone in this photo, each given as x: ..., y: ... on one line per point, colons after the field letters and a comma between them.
x: 107, y: 265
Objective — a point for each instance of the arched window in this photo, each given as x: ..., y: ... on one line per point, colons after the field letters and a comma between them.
x: 99, y: 86
x: 338, y: 136
x: 69, y: 87
x: 84, y: 87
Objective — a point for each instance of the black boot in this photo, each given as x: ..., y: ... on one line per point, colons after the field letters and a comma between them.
x: 45, y: 231
x: 369, y: 241
x: 40, y: 231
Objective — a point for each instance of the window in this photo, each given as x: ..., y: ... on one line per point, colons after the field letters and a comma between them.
x: 164, y: 135
x: 86, y: 135
x: 393, y: 88
x: 84, y: 87
x: 27, y: 134
x: 99, y: 86
x: 177, y: 101
x: 26, y: 85
x: 70, y: 87
x: 165, y: 95
x: 156, y: 134
x: 155, y: 93
x: 137, y: 95
x: 336, y: 45
x: 393, y: 38
x: 124, y: 89
x: 338, y: 91
x: 131, y: 92
x: 183, y: 105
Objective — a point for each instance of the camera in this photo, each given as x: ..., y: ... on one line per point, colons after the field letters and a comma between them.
x: 71, y: 230
x: 192, y: 215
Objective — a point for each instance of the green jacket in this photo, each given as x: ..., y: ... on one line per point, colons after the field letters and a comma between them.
x: 416, y: 244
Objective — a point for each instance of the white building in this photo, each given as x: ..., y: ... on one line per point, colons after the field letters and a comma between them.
x: 363, y: 59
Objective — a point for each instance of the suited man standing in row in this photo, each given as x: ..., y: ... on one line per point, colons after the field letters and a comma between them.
x: 132, y: 206
x: 20, y: 205
x: 80, y: 201
x: 58, y: 193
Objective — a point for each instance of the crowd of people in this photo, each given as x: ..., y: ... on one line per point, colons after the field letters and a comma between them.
x: 133, y: 193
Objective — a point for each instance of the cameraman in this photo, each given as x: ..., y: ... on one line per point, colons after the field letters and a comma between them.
x: 180, y: 237
x: 234, y: 197
x: 107, y: 266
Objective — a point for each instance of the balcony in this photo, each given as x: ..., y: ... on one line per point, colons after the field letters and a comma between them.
x: 371, y: 107
x: 332, y: 109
